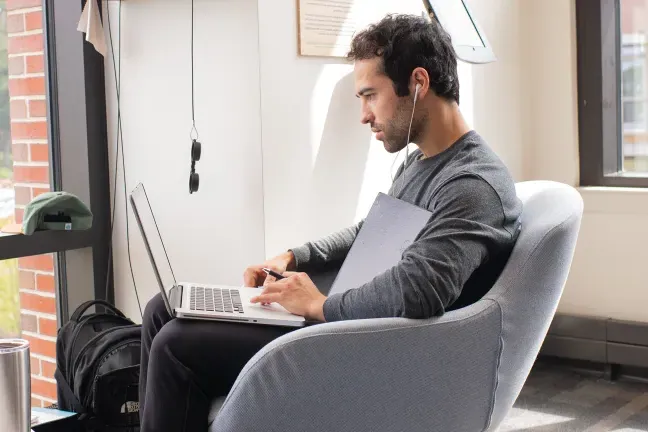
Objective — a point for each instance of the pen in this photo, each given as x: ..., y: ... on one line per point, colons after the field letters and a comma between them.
x: 273, y: 273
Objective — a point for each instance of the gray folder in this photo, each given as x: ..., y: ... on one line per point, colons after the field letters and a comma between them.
x: 389, y: 228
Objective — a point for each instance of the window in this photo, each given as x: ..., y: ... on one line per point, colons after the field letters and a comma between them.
x: 24, y: 149
x: 28, y: 311
x: 7, y: 203
x: 613, y: 91
x: 27, y: 284
x: 50, y: 118
x: 633, y: 95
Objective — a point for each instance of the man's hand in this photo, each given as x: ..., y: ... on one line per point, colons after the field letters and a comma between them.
x: 254, y: 276
x: 297, y: 293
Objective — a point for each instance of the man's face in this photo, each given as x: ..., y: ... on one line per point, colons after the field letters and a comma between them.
x: 386, y: 113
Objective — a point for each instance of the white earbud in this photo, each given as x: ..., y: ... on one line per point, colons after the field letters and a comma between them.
x: 418, y: 87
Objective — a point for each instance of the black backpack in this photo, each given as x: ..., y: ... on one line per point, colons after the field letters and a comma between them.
x: 97, y: 368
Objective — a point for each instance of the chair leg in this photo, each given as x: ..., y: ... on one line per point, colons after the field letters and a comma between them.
x: 611, y: 372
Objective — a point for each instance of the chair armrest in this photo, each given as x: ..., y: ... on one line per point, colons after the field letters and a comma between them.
x: 372, y: 375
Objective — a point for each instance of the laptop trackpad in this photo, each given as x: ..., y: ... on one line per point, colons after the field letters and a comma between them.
x: 272, y: 310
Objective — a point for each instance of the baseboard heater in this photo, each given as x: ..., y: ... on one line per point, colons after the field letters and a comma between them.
x: 604, y: 341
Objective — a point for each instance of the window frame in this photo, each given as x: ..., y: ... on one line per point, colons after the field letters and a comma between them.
x: 600, y: 121
x: 77, y: 137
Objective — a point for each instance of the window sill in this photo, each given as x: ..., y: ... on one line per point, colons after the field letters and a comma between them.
x: 42, y: 242
x: 615, y: 200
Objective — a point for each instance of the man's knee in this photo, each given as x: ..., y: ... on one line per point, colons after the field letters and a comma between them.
x: 154, y: 310
x: 168, y: 340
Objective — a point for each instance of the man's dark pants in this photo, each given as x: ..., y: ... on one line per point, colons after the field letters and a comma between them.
x: 189, y: 363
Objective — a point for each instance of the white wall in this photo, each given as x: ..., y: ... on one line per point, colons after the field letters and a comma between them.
x: 322, y: 168
x: 550, y: 95
x: 499, y: 110
x: 295, y: 119
x: 607, y: 278
x: 214, y: 234
x: 285, y: 157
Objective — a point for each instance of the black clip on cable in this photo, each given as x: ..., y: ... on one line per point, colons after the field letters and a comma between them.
x: 194, y: 178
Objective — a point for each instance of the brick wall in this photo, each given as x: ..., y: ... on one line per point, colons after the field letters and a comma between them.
x: 31, y: 177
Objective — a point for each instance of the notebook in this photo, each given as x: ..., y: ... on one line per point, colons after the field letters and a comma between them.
x: 389, y: 228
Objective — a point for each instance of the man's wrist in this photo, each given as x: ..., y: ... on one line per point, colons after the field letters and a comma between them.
x: 317, y: 309
x: 291, y: 263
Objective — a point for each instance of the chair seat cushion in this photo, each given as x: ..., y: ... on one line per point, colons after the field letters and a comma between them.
x: 215, y: 408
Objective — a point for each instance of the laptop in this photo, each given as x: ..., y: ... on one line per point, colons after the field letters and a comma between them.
x: 190, y: 300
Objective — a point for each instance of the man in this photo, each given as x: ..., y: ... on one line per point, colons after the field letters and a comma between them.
x: 406, y: 77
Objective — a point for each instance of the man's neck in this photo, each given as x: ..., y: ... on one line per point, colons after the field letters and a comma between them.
x: 445, y: 125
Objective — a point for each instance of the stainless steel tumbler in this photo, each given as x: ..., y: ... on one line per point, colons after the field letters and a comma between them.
x: 15, y: 386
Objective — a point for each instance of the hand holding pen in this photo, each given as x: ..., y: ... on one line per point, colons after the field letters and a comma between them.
x: 274, y: 274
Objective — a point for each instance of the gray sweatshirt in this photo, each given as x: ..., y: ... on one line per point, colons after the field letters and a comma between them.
x: 459, y: 253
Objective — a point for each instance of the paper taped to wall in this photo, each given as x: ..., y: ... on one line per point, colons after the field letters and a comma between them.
x: 326, y: 27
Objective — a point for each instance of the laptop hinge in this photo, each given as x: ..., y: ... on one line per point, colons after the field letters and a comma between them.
x: 175, y: 296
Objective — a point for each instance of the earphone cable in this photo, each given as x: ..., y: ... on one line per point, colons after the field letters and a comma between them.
x: 406, y: 143
x: 409, y: 132
x: 391, y: 170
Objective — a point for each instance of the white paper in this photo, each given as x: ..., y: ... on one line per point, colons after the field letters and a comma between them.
x: 326, y: 27
x: 90, y: 24
x: 41, y: 416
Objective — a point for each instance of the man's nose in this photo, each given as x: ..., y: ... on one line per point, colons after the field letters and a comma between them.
x: 366, y: 115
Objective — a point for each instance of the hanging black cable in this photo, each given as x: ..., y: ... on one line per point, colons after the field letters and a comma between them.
x: 194, y: 178
x: 120, y: 137
x: 193, y: 94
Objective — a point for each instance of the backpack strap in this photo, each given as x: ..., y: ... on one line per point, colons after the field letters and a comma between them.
x: 125, y: 422
x: 91, y: 423
x: 68, y: 394
x: 87, y: 305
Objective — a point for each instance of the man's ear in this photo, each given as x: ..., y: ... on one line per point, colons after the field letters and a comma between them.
x: 421, y: 78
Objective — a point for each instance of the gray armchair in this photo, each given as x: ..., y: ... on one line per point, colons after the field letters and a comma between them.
x: 459, y: 372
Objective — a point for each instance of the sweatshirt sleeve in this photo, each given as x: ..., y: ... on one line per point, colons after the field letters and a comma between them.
x: 335, y: 247
x: 467, y: 221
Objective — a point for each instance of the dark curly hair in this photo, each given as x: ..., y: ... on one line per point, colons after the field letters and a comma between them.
x: 405, y: 42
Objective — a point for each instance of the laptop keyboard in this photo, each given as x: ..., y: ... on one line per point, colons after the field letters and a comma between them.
x: 210, y: 299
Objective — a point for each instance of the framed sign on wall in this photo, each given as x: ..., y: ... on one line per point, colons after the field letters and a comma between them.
x: 326, y: 27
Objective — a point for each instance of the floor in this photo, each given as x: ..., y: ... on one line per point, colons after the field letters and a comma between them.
x: 561, y: 399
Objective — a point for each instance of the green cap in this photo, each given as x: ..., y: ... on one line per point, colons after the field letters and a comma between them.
x: 56, y: 211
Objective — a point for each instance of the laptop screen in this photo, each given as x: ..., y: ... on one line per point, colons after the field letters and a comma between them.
x: 152, y: 238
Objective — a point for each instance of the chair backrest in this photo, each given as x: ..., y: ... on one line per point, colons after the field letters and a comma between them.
x: 530, y: 287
